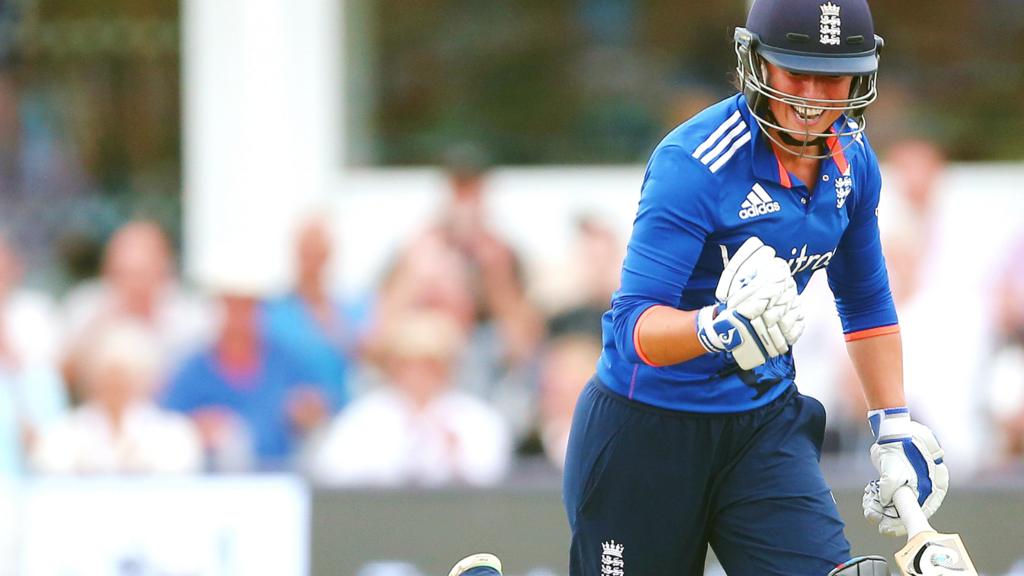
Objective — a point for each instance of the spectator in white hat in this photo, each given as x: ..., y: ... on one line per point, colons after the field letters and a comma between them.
x: 417, y: 429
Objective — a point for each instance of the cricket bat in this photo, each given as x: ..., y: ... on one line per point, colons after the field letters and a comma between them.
x: 927, y: 552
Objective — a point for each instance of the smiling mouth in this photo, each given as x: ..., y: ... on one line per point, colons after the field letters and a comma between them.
x: 808, y: 115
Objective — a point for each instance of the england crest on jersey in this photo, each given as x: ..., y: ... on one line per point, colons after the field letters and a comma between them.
x: 844, y: 185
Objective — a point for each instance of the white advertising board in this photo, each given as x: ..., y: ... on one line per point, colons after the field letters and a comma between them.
x: 174, y: 527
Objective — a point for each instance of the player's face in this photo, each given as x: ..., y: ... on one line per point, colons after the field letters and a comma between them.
x: 807, y: 120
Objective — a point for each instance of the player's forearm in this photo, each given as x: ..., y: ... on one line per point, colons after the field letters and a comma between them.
x: 879, y: 365
x: 666, y: 336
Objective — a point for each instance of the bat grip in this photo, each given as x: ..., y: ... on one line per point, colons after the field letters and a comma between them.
x: 910, y: 512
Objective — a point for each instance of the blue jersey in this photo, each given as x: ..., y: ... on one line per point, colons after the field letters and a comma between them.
x: 291, y: 322
x: 711, y: 184
x: 259, y: 398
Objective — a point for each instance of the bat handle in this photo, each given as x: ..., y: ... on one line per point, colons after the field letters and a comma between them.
x: 910, y: 512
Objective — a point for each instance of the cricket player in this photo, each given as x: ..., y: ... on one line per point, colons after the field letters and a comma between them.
x: 692, y: 431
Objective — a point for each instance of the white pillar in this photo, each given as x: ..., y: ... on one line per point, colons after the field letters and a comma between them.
x: 261, y: 125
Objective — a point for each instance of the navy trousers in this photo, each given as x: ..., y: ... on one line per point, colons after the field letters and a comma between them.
x: 648, y: 489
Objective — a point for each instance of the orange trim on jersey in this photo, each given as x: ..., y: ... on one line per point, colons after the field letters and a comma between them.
x: 783, y: 173
x: 836, y: 147
x: 636, y: 336
x: 872, y: 332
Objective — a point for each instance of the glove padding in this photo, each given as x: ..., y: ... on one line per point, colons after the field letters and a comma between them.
x: 753, y: 273
x: 905, y: 454
x: 749, y: 269
x: 758, y: 316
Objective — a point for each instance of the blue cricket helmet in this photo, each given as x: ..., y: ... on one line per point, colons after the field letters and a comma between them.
x: 835, y: 37
x: 828, y: 37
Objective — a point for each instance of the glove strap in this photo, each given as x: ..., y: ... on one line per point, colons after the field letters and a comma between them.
x: 706, y: 333
x: 889, y: 422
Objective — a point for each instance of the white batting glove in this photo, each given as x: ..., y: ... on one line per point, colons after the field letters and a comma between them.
x: 752, y: 271
x: 787, y: 314
x: 905, y: 453
x: 758, y: 315
x: 749, y: 269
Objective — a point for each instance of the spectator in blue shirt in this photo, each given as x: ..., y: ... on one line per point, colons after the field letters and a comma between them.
x: 309, y: 321
x: 249, y: 396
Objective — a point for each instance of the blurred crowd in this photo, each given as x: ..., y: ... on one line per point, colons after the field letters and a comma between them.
x: 453, y: 371
x: 444, y: 374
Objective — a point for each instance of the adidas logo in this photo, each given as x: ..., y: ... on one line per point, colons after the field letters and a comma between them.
x: 758, y: 203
